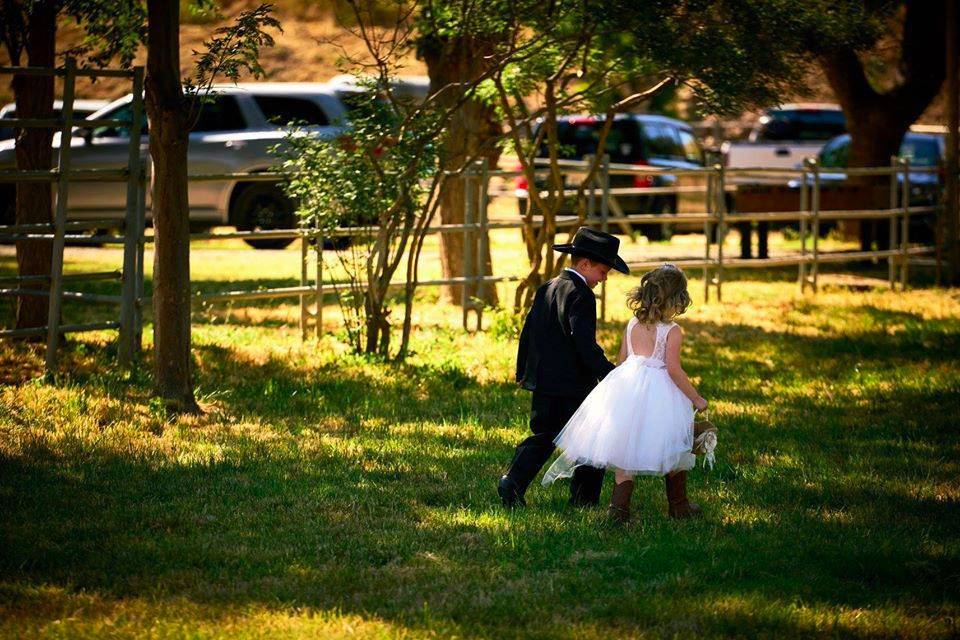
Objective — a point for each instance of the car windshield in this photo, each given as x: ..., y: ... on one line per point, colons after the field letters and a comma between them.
x: 578, y: 137
x: 800, y: 124
x: 921, y: 152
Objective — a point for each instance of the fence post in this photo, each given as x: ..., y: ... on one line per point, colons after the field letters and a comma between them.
x: 482, y: 241
x: 142, y: 171
x: 905, y: 222
x: 304, y: 256
x: 60, y: 219
x: 710, y: 204
x: 318, y: 329
x: 604, y: 223
x: 815, y: 206
x: 467, y: 247
x: 894, y: 241
x: 131, y: 238
x: 804, y: 205
x: 721, y: 227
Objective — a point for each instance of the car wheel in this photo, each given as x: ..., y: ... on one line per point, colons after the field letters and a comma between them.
x: 261, y: 207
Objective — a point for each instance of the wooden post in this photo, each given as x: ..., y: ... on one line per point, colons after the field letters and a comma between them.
x: 710, y: 204
x: 892, y: 259
x: 60, y: 219
x: 467, y: 245
x: 319, y: 282
x: 804, y: 205
x: 721, y: 227
x: 304, y: 256
x: 142, y: 173
x: 131, y: 239
x: 905, y: 224
x: 483, y: 240
x: 604, y: 223
x: 815, y: 212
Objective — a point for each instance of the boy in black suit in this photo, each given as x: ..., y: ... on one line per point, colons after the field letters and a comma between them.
x: 560, y: 361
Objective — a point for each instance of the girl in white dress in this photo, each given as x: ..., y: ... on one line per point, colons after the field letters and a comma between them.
x: 639, y: 419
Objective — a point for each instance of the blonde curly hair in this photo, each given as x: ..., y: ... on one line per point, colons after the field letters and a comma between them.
x: 662, y: 295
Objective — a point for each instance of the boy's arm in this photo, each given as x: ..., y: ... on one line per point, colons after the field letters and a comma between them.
x: 582, y: 316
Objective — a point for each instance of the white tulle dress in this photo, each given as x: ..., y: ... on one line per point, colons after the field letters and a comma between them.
x: 636, y: 420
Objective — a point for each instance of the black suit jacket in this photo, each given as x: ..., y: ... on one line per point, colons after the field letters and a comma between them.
x: 558, y: 353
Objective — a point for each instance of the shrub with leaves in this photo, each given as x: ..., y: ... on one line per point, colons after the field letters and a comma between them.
x: 379, y: 178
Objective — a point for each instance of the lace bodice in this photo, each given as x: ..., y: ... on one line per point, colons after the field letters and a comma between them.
x: 658, y: 358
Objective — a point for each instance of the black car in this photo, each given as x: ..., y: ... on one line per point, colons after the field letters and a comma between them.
x: 637, y: 139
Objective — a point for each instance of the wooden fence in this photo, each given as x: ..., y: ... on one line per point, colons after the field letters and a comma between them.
x: 602, y: 210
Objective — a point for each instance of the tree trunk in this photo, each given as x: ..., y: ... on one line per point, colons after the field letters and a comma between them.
x: 877, y: 121
x: 950, y: 238
x: 169, y: 116
x: 472, y: 131
x: 34, y: 98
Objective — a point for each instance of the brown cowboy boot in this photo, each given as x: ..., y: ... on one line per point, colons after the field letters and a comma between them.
x: 619, y: 509
x: 680, y: 508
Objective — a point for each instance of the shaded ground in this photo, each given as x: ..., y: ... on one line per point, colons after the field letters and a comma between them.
x: 328, y: 495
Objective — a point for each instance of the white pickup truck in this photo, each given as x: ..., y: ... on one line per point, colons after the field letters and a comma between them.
x: 784, y: 136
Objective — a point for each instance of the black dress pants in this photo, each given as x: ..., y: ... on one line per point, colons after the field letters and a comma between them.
x: 548, y: 415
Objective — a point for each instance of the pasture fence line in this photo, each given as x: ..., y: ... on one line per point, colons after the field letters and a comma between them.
x: 604, y: 207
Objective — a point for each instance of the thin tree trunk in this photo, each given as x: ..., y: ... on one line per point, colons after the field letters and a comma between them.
x: 169, y: 117
x: 472, y: 130
x: 34, y: 97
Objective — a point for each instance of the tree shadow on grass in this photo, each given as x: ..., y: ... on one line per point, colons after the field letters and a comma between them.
x: 389, y: 531
x: 370, y: 490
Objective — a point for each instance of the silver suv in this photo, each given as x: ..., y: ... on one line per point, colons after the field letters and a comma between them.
x: 233, y: 133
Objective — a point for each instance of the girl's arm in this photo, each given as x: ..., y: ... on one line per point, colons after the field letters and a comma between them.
x: 679, y: 376
x: 623, y: 350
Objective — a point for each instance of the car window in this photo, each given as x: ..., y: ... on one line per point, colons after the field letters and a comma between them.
x: 219, y: 113
x: 835, y: 153
x: 800, y: 124
x: 578, y: 137
x: 124, y: 113
x: 9, y: 132
x: 920, y: 152
x: 691, y: 148
x: 282, y: 110
x: 661, y: 141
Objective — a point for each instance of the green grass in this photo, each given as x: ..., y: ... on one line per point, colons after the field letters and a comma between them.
x: 328, y: 495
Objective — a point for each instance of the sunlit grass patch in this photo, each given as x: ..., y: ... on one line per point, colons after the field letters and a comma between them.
x: 325, y: 494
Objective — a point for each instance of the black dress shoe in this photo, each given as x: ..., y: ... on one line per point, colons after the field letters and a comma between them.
x: 509, y: 493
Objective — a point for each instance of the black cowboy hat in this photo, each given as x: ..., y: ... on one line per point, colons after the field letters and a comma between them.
x: 596, y: 245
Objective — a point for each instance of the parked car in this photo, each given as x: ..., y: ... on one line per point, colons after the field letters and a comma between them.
x: 415, y: 89
x: 81, y: 109
x: 923, y: 150
x: 233, y: 133
x: 785, y: 136
x: 637, y: 139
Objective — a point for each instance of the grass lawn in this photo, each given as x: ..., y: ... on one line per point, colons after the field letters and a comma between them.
x: 327, y: 495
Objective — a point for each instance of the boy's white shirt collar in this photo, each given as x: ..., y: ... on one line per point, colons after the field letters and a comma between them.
x: 578, y: 274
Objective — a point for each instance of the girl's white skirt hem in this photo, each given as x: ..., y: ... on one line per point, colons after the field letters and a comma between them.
x: 636, y: 420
